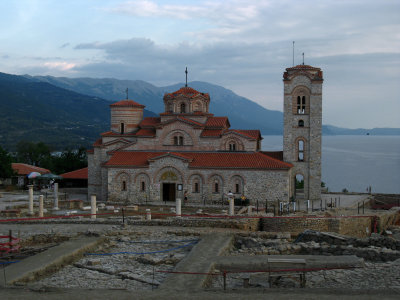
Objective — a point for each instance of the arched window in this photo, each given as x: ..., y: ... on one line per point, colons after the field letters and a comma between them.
x: 232, y: 146
x: 237, y: 188
x: 195, y: 188
x: 183, y: 108
x: 181, y: 140
x: 301, y: 123
x: 216, y: 187
x: 301, y: 105
x: 123, y: 188
x: 142, y: 186
x: 122, y: 128
x: 300, y: 151
x: 175, y: 140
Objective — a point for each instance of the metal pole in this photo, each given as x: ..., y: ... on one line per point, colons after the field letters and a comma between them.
x: 363, y: 207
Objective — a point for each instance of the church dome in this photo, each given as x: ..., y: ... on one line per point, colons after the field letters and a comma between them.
x: 187, y: 92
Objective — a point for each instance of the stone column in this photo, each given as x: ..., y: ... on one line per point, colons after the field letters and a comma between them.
x: 30, y: 206
x: 231, y: 206
x: 178, y: 207
x: 148, y: 214
x: 56, y: 196
x: 93, y: 207
x: 41, y: 206
x: 249, y: 210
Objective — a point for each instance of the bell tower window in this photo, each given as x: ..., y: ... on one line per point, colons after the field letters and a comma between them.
x: 301, y: 123
x: 122, y: 128
x: 300, y: 150
x: 232, y: 147
x: 301, y: 105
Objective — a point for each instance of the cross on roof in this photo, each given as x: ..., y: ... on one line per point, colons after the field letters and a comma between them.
x: 186, y: 71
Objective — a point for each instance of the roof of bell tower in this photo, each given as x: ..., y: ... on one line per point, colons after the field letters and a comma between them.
x: 127, y: 103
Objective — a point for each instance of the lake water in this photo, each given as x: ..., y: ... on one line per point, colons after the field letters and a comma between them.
x: 355, y: 162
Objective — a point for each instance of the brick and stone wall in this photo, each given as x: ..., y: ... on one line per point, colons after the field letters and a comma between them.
x: 301, y: 83
x: 255, y: 184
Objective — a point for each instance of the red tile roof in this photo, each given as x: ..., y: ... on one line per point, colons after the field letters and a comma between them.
x: 189, y: 121
x: 254, y: 134
x: 98, y: 142
x: 211, y: 132
x: 127, y: 103
x: 149, y: 121
x: 112, y: 133
x: 220, y: 122
x: 239, y: 160
x: 25, y: 169
x: 274, y: 154
x: 187, y: 92
x: 146, y: 132
x: 303, y: 67
x: 77, y: 174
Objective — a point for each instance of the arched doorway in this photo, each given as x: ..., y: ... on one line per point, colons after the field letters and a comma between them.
x: 169, y: 178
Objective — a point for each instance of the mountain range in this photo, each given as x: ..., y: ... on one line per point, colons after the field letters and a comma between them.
x: 71, y: 112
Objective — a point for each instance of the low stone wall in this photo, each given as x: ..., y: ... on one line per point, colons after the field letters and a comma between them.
x: 241, y: 224
x: 359, y: 227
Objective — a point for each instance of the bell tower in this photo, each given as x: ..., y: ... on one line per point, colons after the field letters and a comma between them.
x: 302, y: 132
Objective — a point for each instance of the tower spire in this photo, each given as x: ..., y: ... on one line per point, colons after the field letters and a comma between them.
x: 293, y: 53
x: 303, y: 58
x: 186, y: 72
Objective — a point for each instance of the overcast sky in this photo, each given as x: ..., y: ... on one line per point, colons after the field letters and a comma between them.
x: 242, y: 45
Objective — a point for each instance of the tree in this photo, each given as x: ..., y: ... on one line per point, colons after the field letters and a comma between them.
x: 36, y: 154
x: 70, y: 160
x: 6, y: 171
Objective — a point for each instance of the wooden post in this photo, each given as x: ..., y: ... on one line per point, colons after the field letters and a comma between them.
x: 10, y: 239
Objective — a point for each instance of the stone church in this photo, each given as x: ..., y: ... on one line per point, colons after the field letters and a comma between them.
x: 188, y: 149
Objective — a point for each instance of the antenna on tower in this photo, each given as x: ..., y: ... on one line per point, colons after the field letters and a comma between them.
x: 186, y: 71
x: 126, y: 91
x: 303, y: 58
x: 293, y: 53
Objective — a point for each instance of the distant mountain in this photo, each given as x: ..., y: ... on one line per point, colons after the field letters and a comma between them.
x: 333, y: 130
x: 242, y: 112
x: 31, y: 110
x: 71, y: 112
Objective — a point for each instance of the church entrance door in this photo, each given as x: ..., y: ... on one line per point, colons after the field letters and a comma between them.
x: 169, y: 191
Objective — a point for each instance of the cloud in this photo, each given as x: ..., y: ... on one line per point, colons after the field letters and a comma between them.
x: 60, y: 65
x: 214, y: 10
x: 64, y: 45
